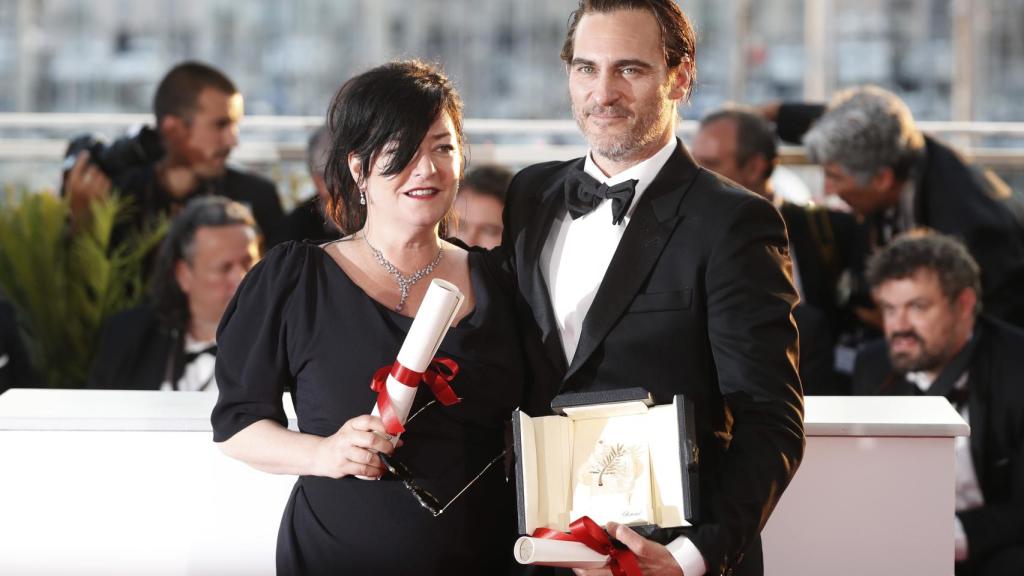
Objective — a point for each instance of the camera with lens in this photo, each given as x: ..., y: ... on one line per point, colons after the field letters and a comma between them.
x: 139, y: 147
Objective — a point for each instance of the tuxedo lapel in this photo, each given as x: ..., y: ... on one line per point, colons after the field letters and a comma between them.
x: 655, y: 217
x: 531, y: 278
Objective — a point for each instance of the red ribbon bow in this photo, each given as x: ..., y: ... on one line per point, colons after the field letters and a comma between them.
x: 622, y: 562
x: 439, y: 373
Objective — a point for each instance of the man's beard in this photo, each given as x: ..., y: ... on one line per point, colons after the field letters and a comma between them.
x: 924, y: 360
x: 647, y: 127
x: 210, y: 167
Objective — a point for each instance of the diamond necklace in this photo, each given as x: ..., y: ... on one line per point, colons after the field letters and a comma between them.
x: 404, y: 282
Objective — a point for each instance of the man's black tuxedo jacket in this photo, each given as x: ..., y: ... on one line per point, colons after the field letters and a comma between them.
x: 135, y: 352
x: 696, y: 300
x: 996, y: 411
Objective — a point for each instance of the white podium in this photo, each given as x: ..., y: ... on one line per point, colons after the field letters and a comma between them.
x: 112, y: 482
x: 129, y: 482
x: 875, y: 492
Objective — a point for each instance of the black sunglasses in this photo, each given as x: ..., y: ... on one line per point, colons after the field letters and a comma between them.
x: 427, y: 500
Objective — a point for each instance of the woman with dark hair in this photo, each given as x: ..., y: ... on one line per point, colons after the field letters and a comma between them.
x: 321, y: 320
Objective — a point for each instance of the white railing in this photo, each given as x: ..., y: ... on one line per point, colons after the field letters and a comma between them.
x: 32, y: 144
x: 67, y: 121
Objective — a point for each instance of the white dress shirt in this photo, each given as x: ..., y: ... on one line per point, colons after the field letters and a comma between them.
x: 574, y: 261
x: 577, y: 252
x: 198, y: 375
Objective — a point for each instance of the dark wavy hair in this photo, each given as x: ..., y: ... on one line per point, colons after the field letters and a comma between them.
x: 677, y: 35
x: 179, y: 244
x: 393, y: 104
x: 927, y: 250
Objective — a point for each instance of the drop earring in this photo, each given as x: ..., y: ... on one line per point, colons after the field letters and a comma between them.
x: 362, y: 197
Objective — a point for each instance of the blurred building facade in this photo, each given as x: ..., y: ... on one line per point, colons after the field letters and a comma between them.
x: 288, y: 58
x: 959, y: 60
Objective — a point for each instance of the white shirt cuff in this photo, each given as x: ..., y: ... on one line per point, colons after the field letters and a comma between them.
x: 687, y: 556
x: 959, y: 541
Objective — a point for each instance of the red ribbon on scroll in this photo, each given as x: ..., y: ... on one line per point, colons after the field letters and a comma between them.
x: 437, y: 377
x: 585, y: 531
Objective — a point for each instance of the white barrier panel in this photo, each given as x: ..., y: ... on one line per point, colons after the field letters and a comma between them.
x: 114, y: 482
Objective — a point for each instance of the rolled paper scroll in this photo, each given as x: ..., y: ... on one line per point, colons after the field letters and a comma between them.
x: 562, y: 553
x: 429, y: 327
x: 586, y: 545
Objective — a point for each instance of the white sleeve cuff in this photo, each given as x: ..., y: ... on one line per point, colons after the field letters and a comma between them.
x: 687, y: 556
x: 959, y: 541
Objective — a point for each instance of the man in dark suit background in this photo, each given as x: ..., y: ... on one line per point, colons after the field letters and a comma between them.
x: 170, y: 343
x: 666, y: 277
x: 898, y: 178
x: 739, y: 144
x: 927, y: 286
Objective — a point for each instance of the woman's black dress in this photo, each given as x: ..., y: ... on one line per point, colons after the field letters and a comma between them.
x: 299, y: 322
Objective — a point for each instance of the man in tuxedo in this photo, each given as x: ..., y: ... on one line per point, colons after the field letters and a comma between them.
x: 666, y: 277
x: 170, y: 344
x: 927, y: 286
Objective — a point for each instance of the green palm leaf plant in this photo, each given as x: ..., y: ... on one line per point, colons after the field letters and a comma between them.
x: 64, y: 281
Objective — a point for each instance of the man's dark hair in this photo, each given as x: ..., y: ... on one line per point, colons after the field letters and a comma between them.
x: 754, y: 135
x: 178, y: 92
x: 920, y: 249
x: 179, y: 245
x: 390, y: 106
x: 489, y: 180
x: 678, y: 38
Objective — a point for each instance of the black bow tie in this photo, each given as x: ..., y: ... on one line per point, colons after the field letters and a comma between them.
x: 190, y: 357
x: 583, y: 193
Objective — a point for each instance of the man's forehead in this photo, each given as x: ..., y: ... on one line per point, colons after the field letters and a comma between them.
x: 706, y: 144
x: 214, y: 101
x: 619, y: 35
x: 218, y: 235
x: 716, y: 137
x: 922, y: 282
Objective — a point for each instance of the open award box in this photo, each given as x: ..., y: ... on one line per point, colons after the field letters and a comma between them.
x: 610, y: 455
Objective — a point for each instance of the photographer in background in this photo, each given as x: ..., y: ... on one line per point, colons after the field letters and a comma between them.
x: 197, y: 112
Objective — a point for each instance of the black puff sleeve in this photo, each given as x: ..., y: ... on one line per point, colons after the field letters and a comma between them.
x: 252, y: 359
